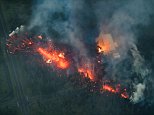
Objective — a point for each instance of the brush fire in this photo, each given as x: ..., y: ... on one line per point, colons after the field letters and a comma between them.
x: 52, y: 54
x: 106, y: 45
x: 55, y: 57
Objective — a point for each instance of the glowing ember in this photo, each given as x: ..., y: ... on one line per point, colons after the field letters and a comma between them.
x: 109, y: 88
x: 112, y: 90
x: 29, y: 42
x: 87, y: 73
x: 18, y: 43
x: 124, y: 95
x: 61, y: 55
x: 54, y: 57
x: 48, y: 61
x: 39, y: 37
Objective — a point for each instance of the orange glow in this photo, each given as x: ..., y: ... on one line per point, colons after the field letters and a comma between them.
x: 48, y: 61
x: 105, y: 43
x: 112, y: 90
x: 54, y: 57
x: 39, y: 37
x: 30, y: 43
x: 103, y: 46
x: 109, y: 88
x: 61, y: 55
x: 87, y: 73
x: 124, y: 95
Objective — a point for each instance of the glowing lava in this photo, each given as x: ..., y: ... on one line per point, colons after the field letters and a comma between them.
x: 55, y: 57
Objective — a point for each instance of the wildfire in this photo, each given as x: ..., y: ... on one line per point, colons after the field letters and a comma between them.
x: 55, y: 57
x: 105, y: 43
x: 112, y: 90
x: 124, y: 95
x: 18, y: 43
x: 109, y: 88
x: 51, y: 56
x: 87, y: 73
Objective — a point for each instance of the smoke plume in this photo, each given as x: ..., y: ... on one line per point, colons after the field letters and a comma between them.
x: 122, y: 25
x: 138, y: 94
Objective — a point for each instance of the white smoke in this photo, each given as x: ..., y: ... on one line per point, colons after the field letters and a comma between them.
x: 68, y: 28
x: 17, y: 30
x: 142, y: 71
x: 124, y: 19
x: 121, y: 25
x: 138, y: 95
x: 139, y: 66
x: 43, y: 10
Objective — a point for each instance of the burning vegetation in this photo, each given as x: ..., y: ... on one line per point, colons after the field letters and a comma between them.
x: 54, y: 57
x: 60, y: 59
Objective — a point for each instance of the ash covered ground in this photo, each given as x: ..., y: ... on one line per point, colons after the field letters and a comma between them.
x: 108, y: 64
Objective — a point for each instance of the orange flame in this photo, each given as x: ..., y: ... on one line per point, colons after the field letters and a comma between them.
x: 109, y: 88
x: 112, y: 90
x: 105, y: 43
x: 87, y: 73
x: 54, y: 56
x: 124, y: 95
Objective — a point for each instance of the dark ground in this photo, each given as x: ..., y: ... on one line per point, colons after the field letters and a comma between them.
x: 33, y: 90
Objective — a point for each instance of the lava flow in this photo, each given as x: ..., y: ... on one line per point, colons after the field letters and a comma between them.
x: 55, y: 57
